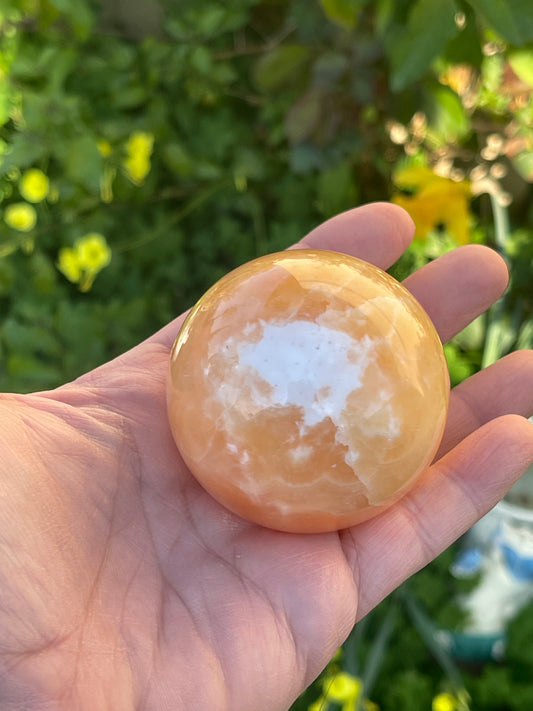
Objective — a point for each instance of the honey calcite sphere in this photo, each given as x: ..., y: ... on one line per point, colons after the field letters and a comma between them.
x: 307, y: 391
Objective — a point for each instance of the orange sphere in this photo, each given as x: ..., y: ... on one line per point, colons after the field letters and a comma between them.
x: 307, y: 390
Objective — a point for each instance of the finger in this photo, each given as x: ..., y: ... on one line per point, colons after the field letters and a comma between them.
x: 506, y: 387
x: 452, y: 495
x: 459, y: 286
x: 378, y: 233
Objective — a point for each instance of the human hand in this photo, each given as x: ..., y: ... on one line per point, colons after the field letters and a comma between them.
x: 123, y: 585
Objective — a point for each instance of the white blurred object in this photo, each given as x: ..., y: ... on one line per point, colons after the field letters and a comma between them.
x: 499, y: 549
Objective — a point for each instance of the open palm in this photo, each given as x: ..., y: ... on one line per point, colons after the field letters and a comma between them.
x: 124, y: 586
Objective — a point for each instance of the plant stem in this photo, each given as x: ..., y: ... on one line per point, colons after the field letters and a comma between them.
x: 378, y: 649
x: 492, y: 349
x: 189, y: 207
x: 426, y: 630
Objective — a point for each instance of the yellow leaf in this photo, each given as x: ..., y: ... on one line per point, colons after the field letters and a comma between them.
x: 435, y: 201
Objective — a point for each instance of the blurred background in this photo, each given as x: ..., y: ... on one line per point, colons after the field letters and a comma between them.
x: 147, y: 148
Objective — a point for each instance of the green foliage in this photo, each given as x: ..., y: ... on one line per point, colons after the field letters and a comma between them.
x: 414, y: 665
x: 510, y: 18
x: 430, y: 25
x: 410, y: 691
x: 281, y: 67
x: 228, y: 131
x: 343, y: 12
x: 521, y: 61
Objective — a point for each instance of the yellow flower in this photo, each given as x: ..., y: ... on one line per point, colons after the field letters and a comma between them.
x: 444, y: 702
x: 104, y: 147
x: 342, y: 688
x: 435, y: 201
x: 93, y: 252
x: 106, y: 183
x: 69, y: 264
x: 82, y: 262
x: 34, y: 185
x: 137, y: 168
x: 20, y: 216
x: 138, y: 151
x: 140, y: 142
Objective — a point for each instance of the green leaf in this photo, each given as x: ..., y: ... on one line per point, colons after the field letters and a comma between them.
x: 465, y: 47
x: 525, y: 336
x: 411, y: 689
x: 337, y: 190
x: 200, y: 60
x: 281, y: 66
x: 472, y: 337
x: 43, y: 273
x: 78, y: 14
x: 447, y: 117
x: 342, y: 12
x: 460, y: 366
x: 521, y: 61
x: 131, y: 97
x: 25, y: 150
x: 431, y: 25
x: 210, y: 18
x: 329, y: 68
x: 83, y: 163
x: 249, y: 163
x: 6, y: 100
x: 305, y: 157
x: 520, y: 629
x: 23, y: 338
x: 511, y: 19
x: 7, y: 276
x: 304, y: 116
x: 522, y: 11
x: 524, y: 164
x: 178, y: 159
x: 383, y: 15
x: 30, y: 371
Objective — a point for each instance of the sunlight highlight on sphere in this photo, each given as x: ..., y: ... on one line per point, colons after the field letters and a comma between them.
x: 307, y: 391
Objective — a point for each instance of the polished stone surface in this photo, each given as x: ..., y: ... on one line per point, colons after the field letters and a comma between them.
x: 307, y: 390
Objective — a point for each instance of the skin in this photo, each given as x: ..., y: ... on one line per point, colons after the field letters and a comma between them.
x: 124, y: 586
